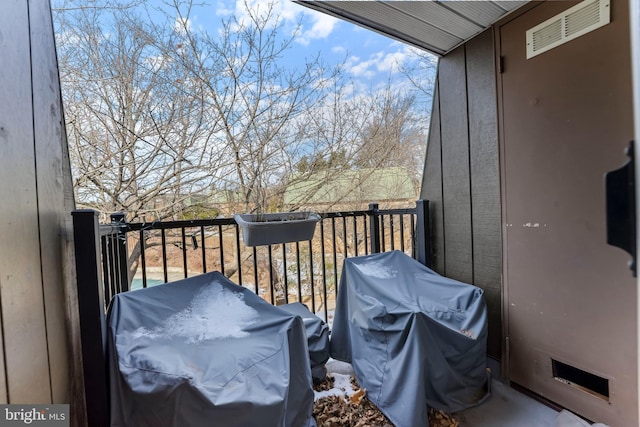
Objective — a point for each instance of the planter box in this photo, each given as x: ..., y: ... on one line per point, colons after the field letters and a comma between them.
x: 274, y: 228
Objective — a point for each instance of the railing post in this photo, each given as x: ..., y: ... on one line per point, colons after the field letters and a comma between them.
x: 93, y: 324
x: 119, y: 240
x: 423, y: 233
x: 374, y: 228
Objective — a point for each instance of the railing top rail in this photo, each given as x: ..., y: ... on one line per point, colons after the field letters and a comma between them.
x: 159, y: 225
x: 109, y: 229
x: 341, y: 214
x: 397, y: 211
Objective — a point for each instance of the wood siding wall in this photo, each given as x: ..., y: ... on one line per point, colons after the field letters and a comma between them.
x: 461, y: 177
x: 36, y: 197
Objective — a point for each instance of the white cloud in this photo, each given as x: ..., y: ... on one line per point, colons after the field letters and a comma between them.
x: 379, y: 62
x: 223, y: 10
x: 360, y: 68
x: 157, y: 62
x: 391, y: 61
x: 289, y: 11
x: 323, y: 25
x: 316, y: 25
x: 181, y: 25
x: 339, y: 49
x: 242, y: 10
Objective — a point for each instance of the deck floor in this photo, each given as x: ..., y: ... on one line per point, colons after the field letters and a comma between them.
x: 508, y: 407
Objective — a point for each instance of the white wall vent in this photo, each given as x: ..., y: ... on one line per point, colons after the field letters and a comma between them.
x: 574, y: 22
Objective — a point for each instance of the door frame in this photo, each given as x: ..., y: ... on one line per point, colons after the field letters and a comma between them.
x: 505, y: 368
x: 634, y: 12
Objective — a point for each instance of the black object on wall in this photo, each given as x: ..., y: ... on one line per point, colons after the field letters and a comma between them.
x: 621, y: 207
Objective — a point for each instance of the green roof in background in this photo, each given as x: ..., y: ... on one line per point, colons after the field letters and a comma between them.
x: 363, y: 185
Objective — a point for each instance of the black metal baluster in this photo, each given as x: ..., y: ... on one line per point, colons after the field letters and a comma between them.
x: 105, y: 268
x: 392, y: 233
x: 401, y: 232
x: 345, y: 247
x: 221, y: 249
x: 324, y: 272
x: 143, y: 258
x: 271, y: 284
x: 255, y: 270
x: 238, y: 254
x: 163, y: 239
x: 355, y: 234
x: 383, y: 243
x: 311, y: 287
x: 299, y: 273
x: 413, y: 236
x: 374, y: 228
x: 184, y: 252
x: 366, y: 236
x: 335, y: 257
x: 286, y: 279
x: 204, y: 252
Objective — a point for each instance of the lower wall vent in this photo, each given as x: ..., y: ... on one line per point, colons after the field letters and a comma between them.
x: 583, y: 380
x: 574, y: 22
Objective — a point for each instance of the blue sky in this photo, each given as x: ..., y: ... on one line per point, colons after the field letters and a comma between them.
x: 371, y: 58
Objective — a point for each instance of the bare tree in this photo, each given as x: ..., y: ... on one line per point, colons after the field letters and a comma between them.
x: 353, y: 140
x: 257, y: 100
x: 159, y: 112
x: 396, y: 136
x: 421, y: 72
x: 139, y: 132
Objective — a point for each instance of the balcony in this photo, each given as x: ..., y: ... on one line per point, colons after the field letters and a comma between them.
x: 120, y: 256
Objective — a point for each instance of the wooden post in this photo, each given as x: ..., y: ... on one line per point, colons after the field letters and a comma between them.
x: 93, y: 325
x: 423, y: 233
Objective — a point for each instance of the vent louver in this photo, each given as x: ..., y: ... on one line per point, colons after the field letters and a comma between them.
x: 568, y: 25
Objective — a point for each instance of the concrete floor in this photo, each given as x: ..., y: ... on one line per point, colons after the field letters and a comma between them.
x: 508, y: 408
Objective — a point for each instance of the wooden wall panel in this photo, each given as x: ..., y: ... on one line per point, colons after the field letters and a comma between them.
x: 24, y: 330
x: 485, y: 180
x: 462, y: 177
x: 456, y: 192
x: 432, y: 186
x: 48, y: 137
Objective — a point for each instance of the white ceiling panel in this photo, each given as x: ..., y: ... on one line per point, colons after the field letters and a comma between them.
x: 439, y: 16
x: 484, y: 13
x: 510, y: 5
x: 435, y: 25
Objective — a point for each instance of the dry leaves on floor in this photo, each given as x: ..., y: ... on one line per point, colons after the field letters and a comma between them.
x: 358, y: 411
x: 440, y: 419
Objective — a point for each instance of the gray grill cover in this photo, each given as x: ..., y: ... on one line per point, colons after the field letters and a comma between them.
x: 203, y: 352
x: 317, y: 339
x: 415, y: 339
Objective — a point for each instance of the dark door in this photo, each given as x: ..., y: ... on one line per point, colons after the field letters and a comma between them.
x: 570, y: 300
